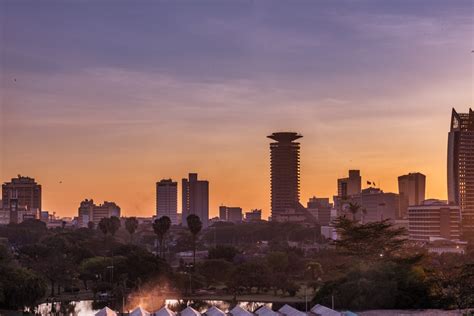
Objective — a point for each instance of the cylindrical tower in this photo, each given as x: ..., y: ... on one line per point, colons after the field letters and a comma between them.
x: 285, y: 173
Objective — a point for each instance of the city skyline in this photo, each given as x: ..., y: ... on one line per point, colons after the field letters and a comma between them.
x: 166, y: 91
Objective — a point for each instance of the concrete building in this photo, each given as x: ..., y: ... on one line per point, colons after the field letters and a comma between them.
x: 90, y: 212
x: 461, y: 166
x: 21, y: 197
x: 320, y: 208
x: 285, y: 178
x: 195, y: 199
x: 411, y: 188
x: 253, y: 216
x: 375, y: 205
x: 167, y: 200
x: 230, y: 214
x: 434, y: 218
x: 349, y: 186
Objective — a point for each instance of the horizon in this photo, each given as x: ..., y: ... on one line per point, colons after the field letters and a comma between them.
x: 167, y: 89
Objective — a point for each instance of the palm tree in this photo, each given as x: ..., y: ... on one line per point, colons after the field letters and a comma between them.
x: 161, y: 226
x: 113, y: 224
x: 353, y: 209
x: 103, y: 226
x: 131, y: 224
x: 194, y: 226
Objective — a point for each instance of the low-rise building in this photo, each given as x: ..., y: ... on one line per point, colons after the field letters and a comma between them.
x: 434, y: 218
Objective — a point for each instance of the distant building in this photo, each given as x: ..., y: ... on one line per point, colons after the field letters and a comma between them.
x: 349, y: 186
x: 90, y: 212
x: 411, y: 188
x: 167, y: 200
x: 253, y: 216
x: 461, y: 166
x: 375, y: 205
x: 195, y: 199
x: 434, y: 218
x: 285, y: 178
x: 230, y: 214
x: 320, y: 208
x: 21, y: 197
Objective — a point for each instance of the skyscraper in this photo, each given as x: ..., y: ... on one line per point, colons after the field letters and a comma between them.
x: 22, y: 198
x: 195, y: 198
x: 285, y: 177
x: 461, y: 166
x: 349, y: 186
x: 411, y: 188
x: 167, y: 200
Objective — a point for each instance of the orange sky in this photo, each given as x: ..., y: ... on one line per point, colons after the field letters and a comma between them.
x: 110, y: 99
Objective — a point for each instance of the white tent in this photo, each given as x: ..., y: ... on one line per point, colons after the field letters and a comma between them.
x: 239, y: 311
x: 139, y: 311
x: 189, y: 311
x: 321, y: 310
x: 266, y: 311
x: 214, y: 311
x: 164, y: 311
x: 287, y: 310
x: 106, y: 312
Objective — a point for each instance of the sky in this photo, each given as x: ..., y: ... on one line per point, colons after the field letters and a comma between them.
x: 101, y: 99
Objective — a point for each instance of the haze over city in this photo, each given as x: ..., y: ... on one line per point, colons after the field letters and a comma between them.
x: 120, y: 97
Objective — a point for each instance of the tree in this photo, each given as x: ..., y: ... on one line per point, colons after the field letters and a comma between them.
x: 375, y: 240
x: 215, y: 271
x: 161, y: 226
x: 103, y: 226
x: 194, y: 226
x: 91, y: 225
x: 131, y: 225
x: 227, y: 253
x: 113, y: 224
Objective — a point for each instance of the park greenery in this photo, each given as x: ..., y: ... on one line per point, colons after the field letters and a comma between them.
x: 371, y: 266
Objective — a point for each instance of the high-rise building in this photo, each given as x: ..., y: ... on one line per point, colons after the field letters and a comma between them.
x: 320, y: 208
x: 21, y: 197
x: 230, y: 214
x: 375, y: 205
x: 433, y: 219
x: 167, y: 200
x: 253, y: 216
x: 285, y: 178
x: 411, y: 188
x: 195, y: 199
x: 349, y: 186
x: 90, y: 212
x: 461, y: 166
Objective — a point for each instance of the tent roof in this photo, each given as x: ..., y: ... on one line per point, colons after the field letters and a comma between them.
x: 139, y: 311
x: 189, y: 311
x: 239, y: 311
x: 265, y: 311
x: 106, y: 312
x: 164, y: 311
x: 291, y: 311
x: 214, y: 311
x: 321, y: 310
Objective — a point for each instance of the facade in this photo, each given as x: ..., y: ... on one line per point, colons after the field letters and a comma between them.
x: 90, y: 212
x: 349, y: 186
x: 253, y: 216
x: 461, y: 166
x: 21, y: 197
x: 285, y: 178
x: 167, y: 200
x: 411, y: 188
x: 195, y: 199
x: 434, y: 218
x: 375, y: 205
x: 320, y: 208
x: 230, y: 214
